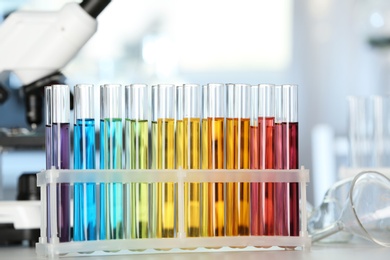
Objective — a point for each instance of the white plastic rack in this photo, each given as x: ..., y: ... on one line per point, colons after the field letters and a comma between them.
x: 180, y: 243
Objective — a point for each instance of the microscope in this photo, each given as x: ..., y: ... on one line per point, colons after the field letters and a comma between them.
x: 34, y: 47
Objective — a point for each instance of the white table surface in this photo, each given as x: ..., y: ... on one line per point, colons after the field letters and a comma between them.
x: 357, y: 249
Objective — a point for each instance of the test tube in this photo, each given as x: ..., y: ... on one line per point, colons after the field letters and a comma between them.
x: 102, y: 190
x: 48, y: 126
x: 281, y: 198
x: 237, y: 157
x: 165, y: 193
x: 137, y: 157
x: 111, y: 194
x: 216, y: 153
x: 48, y: 150
x: 85, y: 211
x: 266, y: 156
x: 290, y: 132
x: 61, y: 155
x: 254, y: 159
x: 153, y: 165
x: 179, y: 131
x: 191, y: 152
x: 206, y: 198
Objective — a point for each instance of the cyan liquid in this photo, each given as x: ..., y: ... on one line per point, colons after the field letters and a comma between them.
x: 111, y: 194
x: 85, y: 218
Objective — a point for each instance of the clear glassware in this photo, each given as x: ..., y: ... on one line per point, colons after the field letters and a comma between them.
x: 366, y: 211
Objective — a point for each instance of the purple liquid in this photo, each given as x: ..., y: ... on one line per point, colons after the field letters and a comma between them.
x: 48, y: 146
x: 48, y: 149
x: 61, y: 160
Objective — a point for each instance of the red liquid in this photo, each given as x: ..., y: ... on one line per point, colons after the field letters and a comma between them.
x: 266, y: 161
x: 292, y: 133
x: 286, y: 194
x: 280, y: 189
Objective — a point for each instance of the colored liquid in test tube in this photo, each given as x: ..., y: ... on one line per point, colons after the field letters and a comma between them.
x: 164, y: 199
x: 237, y: 157
x: 216, y: 149
x: 290, y: 135
x: 286, y: 157
x: 153, y: 165
x: 136, y: 155
x: 206, y: 198
x: 280, y: 156
x: 48, y: 150
x: 111, y: 194
x: 191, y: 108
x: 85, y: 210
x: 254, y: 160
x: 266, y: 156
x: 61, y: 155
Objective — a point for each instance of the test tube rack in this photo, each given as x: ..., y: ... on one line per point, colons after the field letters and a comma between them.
x: 48, y: 179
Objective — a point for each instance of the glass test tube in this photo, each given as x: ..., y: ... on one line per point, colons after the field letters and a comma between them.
x: 237, y: 157
x: 48, y: 150
x: 179, y: 131
x: 206, y: 199
x: 61, y: 155
x: 137, y: 157
x: 266, y: 157
x: 153, y: 165
x: 290, y: 132
x: 111, y: 194
x: 191, y: 140
x: 254, y: 159
x: 102, y: 198
x: 85, y: 211
x: 216, y: 152
x: 280, y: 154
x: 165, y: 193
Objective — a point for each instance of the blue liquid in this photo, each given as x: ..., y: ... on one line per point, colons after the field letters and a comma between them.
x: 85, y: 217
x: 111, y: 194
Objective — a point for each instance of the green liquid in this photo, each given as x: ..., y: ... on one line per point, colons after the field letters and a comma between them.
x: 136, y: 134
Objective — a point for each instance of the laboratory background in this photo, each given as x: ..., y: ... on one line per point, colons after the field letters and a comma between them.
x: 335, y: 51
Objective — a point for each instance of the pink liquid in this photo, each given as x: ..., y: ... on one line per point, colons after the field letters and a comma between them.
x: 286, y: 195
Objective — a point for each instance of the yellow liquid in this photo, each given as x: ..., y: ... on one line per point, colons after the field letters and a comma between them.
x: 165, y: 192
x: 153, y: 186
x: 216, y: 161
x: 206, y: 217
x: 237, y: 194
x: 179, y: 144
x: 191, y: 152
x: 137, y: 158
